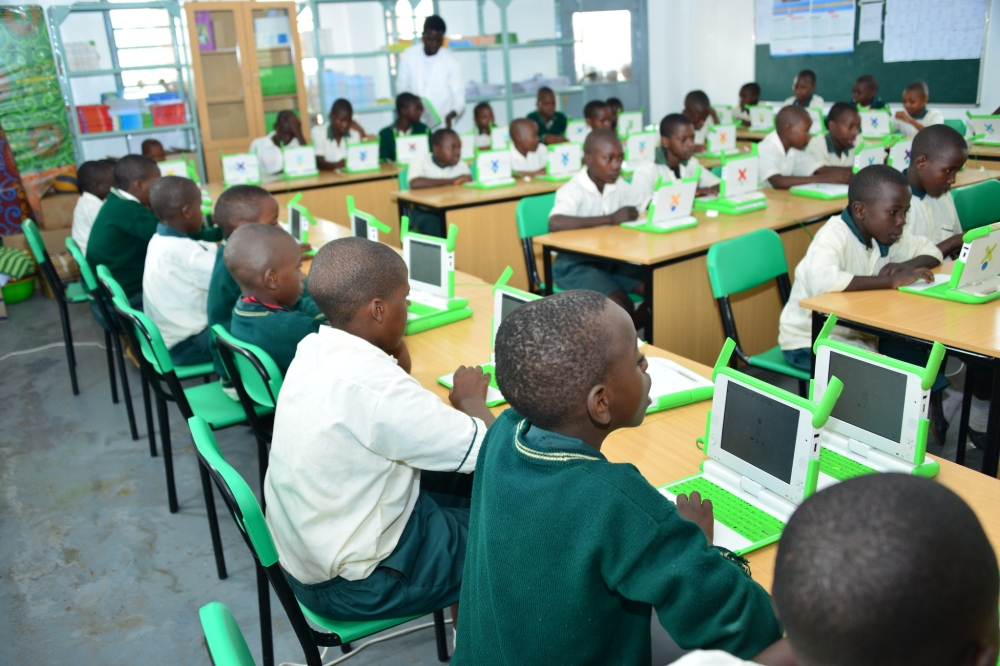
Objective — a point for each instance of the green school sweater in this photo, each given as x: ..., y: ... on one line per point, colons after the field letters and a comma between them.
x: 555, y: 126
x: 568, y: 554
x: 118, y: 240
x: 275, y: 329
x: 223, y: 292
x: 387, y: 139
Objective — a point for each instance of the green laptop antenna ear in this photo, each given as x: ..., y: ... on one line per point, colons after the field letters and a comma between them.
x: 724, y: 356
x: 933, y: 365
x: 294, y: 201
x: 697, y: 174
x: 350, y: 205
x: 452, y: 235
x: 977, y: 137
x: 404, y: 227
x: 507, y: 272
x: 825, y: 405
x: 825, y: 332
x: 753, y: 150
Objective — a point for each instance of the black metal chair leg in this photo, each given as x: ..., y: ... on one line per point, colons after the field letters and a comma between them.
x: 441, y: 636
x: 264, y: 605
x: 262, y: 457
x: 346, y: 647
x: 168, y: 458
x: 111, y: 366
x: 213, y: 522
x: 68, y: 339
x: 126, y: 390
x: 963, y: 422
x: 149, y: 416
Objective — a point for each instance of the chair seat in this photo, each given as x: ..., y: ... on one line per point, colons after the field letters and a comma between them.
x: 210, y: 403
x: 352, y: 631
x: 774, y: 361
x: 75, y: 293
x: 196, y: 370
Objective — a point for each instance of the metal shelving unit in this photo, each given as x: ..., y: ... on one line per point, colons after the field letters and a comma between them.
x: 57, y: 14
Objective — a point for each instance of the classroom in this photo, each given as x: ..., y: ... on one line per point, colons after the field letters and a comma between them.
x: 378, y: 332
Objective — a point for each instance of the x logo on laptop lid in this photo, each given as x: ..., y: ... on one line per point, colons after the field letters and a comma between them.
x: 742, y: 175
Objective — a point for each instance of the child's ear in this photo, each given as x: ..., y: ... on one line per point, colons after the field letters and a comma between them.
x: 377, y: 308
x: 920, y: 161
x: 270, y: 279
x: 598, y: 405
x: 858, y: 210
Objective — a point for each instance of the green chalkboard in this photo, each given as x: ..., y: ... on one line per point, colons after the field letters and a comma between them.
x: 950, y: 81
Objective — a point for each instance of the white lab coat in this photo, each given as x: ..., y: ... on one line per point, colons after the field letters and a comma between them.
x: 437, y: 77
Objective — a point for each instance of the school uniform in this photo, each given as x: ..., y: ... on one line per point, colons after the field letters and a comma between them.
x: 533, y: 161
x: 84, y: 214
x: 423, y: 220
x: 932, y: 217
x: 556, y: 125
x: 387, y: 139
x: 701, y: 134
x: 579, y: 197
x: 739, y: 113
x: 565, y: 579
x: 711, y: 658
x: 814, y: 102
x: 119, y: 237
x: 276, y: 329
x: 269, y: 155
x: 330, y: 149
x: 836, y: 255
x: 927, y: 117
x: 362, y: 496
x: 645, y: 176
x: 822, y: 150
x: 877, y: 103
x: 776, y: 161
x: 483, y: 139
x: 175, y: 293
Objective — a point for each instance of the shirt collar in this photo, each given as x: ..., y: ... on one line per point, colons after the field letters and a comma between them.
x: 920, y: 116
x: 550, y: 442
x: 660, y: 157
x: 341, y: 338
x: 589, y: 184
x: 122, y: 194
x: 246, y: 302
x: 806, y: 105
x: 917, y: 193
x: 849, y: 221
x: 831, y: 148
x: 164, y: 230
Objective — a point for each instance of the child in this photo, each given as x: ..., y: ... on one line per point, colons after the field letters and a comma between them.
x: 95, y: 179
x: 442, y: 166
x: 865, y: 247
x: 595, y: 197
x: 551, y: 123
x: 804, y: 91
x: 926, y: 594
x: 153, y: 149
x: 699, y: 109
x: 561, y: 537
x: 287, y: 133
x: 674, y: 161
x: 272, y: 313
x: 597, y: 114
x: 409, y: 109
x: 369, y: 478
x: 528, y: 156
x: 178, y: 271
x: 482, y: 116
x: 865, y: 93
x: 782, y: 162
x: 836, y: 147
x: 616, y: 107
x: 938, y: 153
x: 749, y: 96
x: 916, y: 116
x: 331, y: 142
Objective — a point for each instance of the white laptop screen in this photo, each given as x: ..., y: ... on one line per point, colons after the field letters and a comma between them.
x: 425, y: 262
x: 760, y: 431
x: 360, y: 224
x: 873, y: 398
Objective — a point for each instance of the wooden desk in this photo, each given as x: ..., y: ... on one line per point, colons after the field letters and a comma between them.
x: 988, y: 154
x: 712, y: 162
x: 747, y: 135
x: 487, y: 227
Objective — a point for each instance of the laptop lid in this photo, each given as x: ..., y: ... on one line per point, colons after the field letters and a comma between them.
x: 989, y: 126
x: 980, y: 257
x: 761, y: 118
x: 506, y: 299
x: 409, y: 147
x: 493, y: 166
x: 899, y: 154
x: 577, y: 131
x: 299, y: 161
x: 468, y: 140
x: 721, y: 138
x: 724, y: 112
x: 362, y: 156
x: 428, y: 263
x: 818, y: 125
x: 499, y: 137
x: 564, y: 159
x: 739, y: 176
x: 673, y: 200
x: 629, y: 122
x: 876, y: 122
x: 640, y: 148
x: 866, y: 156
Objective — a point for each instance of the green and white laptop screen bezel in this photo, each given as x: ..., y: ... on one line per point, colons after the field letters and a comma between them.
x: 868, y: 156
x: 640, y: 148
x: 721, y: 443
x: 502, y: 174
x: 986, y: 125
x: 504, y: 295
x: 721, y: 138
x: 980, y: 258
x: 421, y: 249
x: 361, y: 226
x: 573, y: 163
x: 732, y: 184
x: 660, y: 205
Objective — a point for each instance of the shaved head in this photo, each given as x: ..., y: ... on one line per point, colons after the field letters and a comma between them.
x: 791, y: 115
x: 522, y: 128
x: 600, y: 138
x: 937, y: 140
x: 253, y: 249
x: 239, y: 205
x: 349, y: 272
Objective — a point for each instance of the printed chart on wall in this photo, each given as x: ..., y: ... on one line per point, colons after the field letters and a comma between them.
x: 802, y: 27
x: 933, y: 29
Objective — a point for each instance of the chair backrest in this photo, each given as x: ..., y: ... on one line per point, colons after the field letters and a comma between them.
x: 89, y: 280
x: 254, y: 367
x: 145, y: 331
x: 957, y: 124
x: 404, y: 184
x: 115, y: 290
x: 978, y: 204
x: 729, y: 270
x: 35, y: 241
x: 533, y: 215
x: 226, y: 644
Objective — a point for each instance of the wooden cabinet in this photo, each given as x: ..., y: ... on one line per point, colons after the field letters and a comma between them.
x: 247, y: 67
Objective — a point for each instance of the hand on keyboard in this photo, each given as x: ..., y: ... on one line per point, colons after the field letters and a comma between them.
x: 694, y: 509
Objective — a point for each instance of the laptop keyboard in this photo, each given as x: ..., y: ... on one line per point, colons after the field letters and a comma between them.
x: 738, y: 515
x: 841, y: 467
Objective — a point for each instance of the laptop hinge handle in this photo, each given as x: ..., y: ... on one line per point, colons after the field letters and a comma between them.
x: 750, y: 486
x: 859, y: 448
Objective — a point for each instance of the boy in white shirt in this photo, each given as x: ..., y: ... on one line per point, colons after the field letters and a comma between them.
x: 438, y: 168
x: 528, y: 155
x: 331, y: 141
x: 178, y: 271
x: 369, y: 478
x: 749, y: 96
x: 287, y: 133
x: 938, y: 153
x: 804, y: 91
x: 783, y: 163
x: 595, y: 197
x: 865, y: 93
x: 836, y: 147
x: 916, y: 115
x: 674, y: 161
x: 95, y: 179
x: 865, y: 247
x: 844, y: 603
x: 699, y: 109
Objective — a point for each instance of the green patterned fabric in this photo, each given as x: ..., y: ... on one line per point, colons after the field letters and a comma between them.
x: 15, y: 263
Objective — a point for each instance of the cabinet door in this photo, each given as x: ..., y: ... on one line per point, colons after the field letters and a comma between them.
x: 277, y: 63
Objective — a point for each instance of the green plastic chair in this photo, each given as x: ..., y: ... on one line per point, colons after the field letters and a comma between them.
x: 959, y: 125
x: 225, y: 642
x: 403, y: 182
x: 65, y: 294
x: 730, y: 273
x: 977, y: 205
x: 717, y: 170
x: 240, y: 500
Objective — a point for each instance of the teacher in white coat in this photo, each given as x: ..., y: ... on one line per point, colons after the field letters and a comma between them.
x: 429, y: 71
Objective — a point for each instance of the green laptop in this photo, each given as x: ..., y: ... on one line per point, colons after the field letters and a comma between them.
x: 975, y: 277
x: 739, y: 189
x: 430, y: 265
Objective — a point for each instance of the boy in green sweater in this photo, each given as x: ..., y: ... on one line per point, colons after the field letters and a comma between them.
x: 267, y: 264
x: 409, y: 109
x: 567, y: 552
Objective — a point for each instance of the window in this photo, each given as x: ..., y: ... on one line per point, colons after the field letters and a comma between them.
x: 603, y: 49
x: 410, y: 23
x: 143, y: 38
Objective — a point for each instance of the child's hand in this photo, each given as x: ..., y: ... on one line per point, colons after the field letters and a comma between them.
x: 707, y: 191
x: 625, y: 214
x: 305, y: 247
x: 904, y: 116
x: 841, y: 176
x: 697, y: 511
x: 902, y: 275
x: 469, y: 384
x: 461, y: 179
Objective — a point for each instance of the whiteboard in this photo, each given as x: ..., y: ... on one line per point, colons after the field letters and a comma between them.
x: 934, y: 30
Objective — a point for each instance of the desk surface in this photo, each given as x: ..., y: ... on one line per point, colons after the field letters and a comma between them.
x: 988, y: 152
x: 451, y: 196
x: 747, y: 135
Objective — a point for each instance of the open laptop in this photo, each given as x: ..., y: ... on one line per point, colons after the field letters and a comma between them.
x: 362, y: 157
x: 492, y: 169
x: 899, y: 154
x: 640, y: 148
x: 364, y: 225
x: 985, y: 129
x: 299, y: 221
x: 506, y: 299
x: 868, y: 155
x: 629, y: 123
x: 876, y: 123
x: 430, y: 265
x: 763, y: 448
x: 720, y: 140
x: 565, y: 161
x: 724, y: 112
x: 761, y: 117
x: 670, y: 207
x: 499, y: 137
x: 975, y: 277
x: 411, y: 146
x: 739, y: 189
x: 880, y: 421
x: 673, y: 385
x: 577, y: 131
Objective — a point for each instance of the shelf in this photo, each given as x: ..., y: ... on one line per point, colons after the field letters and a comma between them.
x: 523, y: 95
x: 491, y: 47
x: 230, y: 50
x: 359, y: 54
x: 144, y: 130
x: 225, y: 100
x: 119, y: 70
x: 281, y: 96
x: 376, y: 109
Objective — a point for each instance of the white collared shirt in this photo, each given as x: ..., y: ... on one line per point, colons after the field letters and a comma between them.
x: 815, y: 103
x: 437, y: 78
x: 701, y: 134
x: 175, y: 286
x: 820, y: 152
x: 534, y: 161
x: 775, y: 161
x: 711, y: 658
x: 932, y: 117
x: 270, y: 157
x: 579, y: 197
x: 84, y: 214
x: 424, y: 166
x: 933, y: 217
x: 329, y: 149
x: 125, y: 195
x: 833, y: 259
x: 351, y: 433
x: 645, y: 177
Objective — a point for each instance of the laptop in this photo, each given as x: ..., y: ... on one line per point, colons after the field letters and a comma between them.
x: 763, y: 449
x: 975, y: 277
x: 299, y: 221
x: 492, y: 169
x: 241, y: 169
x: 819, y: 190
x: 430, y: 265
x: 299, y: 161
x: 720, y: 140
x: 739, y: 189
x: 670, y: 207
x: 899, y: 154
x: 818, y: 124
x: 499, y: 137
x: 640, y: 148
x: 985, y: 129
x: 876, y: 123
x: 577, y: 131
x: 761, y: 117
x: 866, y: 156
x: 362, y: 157
x: 674, y: 385
x: 410, y: 147
x: 468, y: 140
x: 629, y: 123
x: 565, y: 161
x: 506, y: 299
x: 363, y: 224
x: 724, y: 112
x: 880, y: 421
